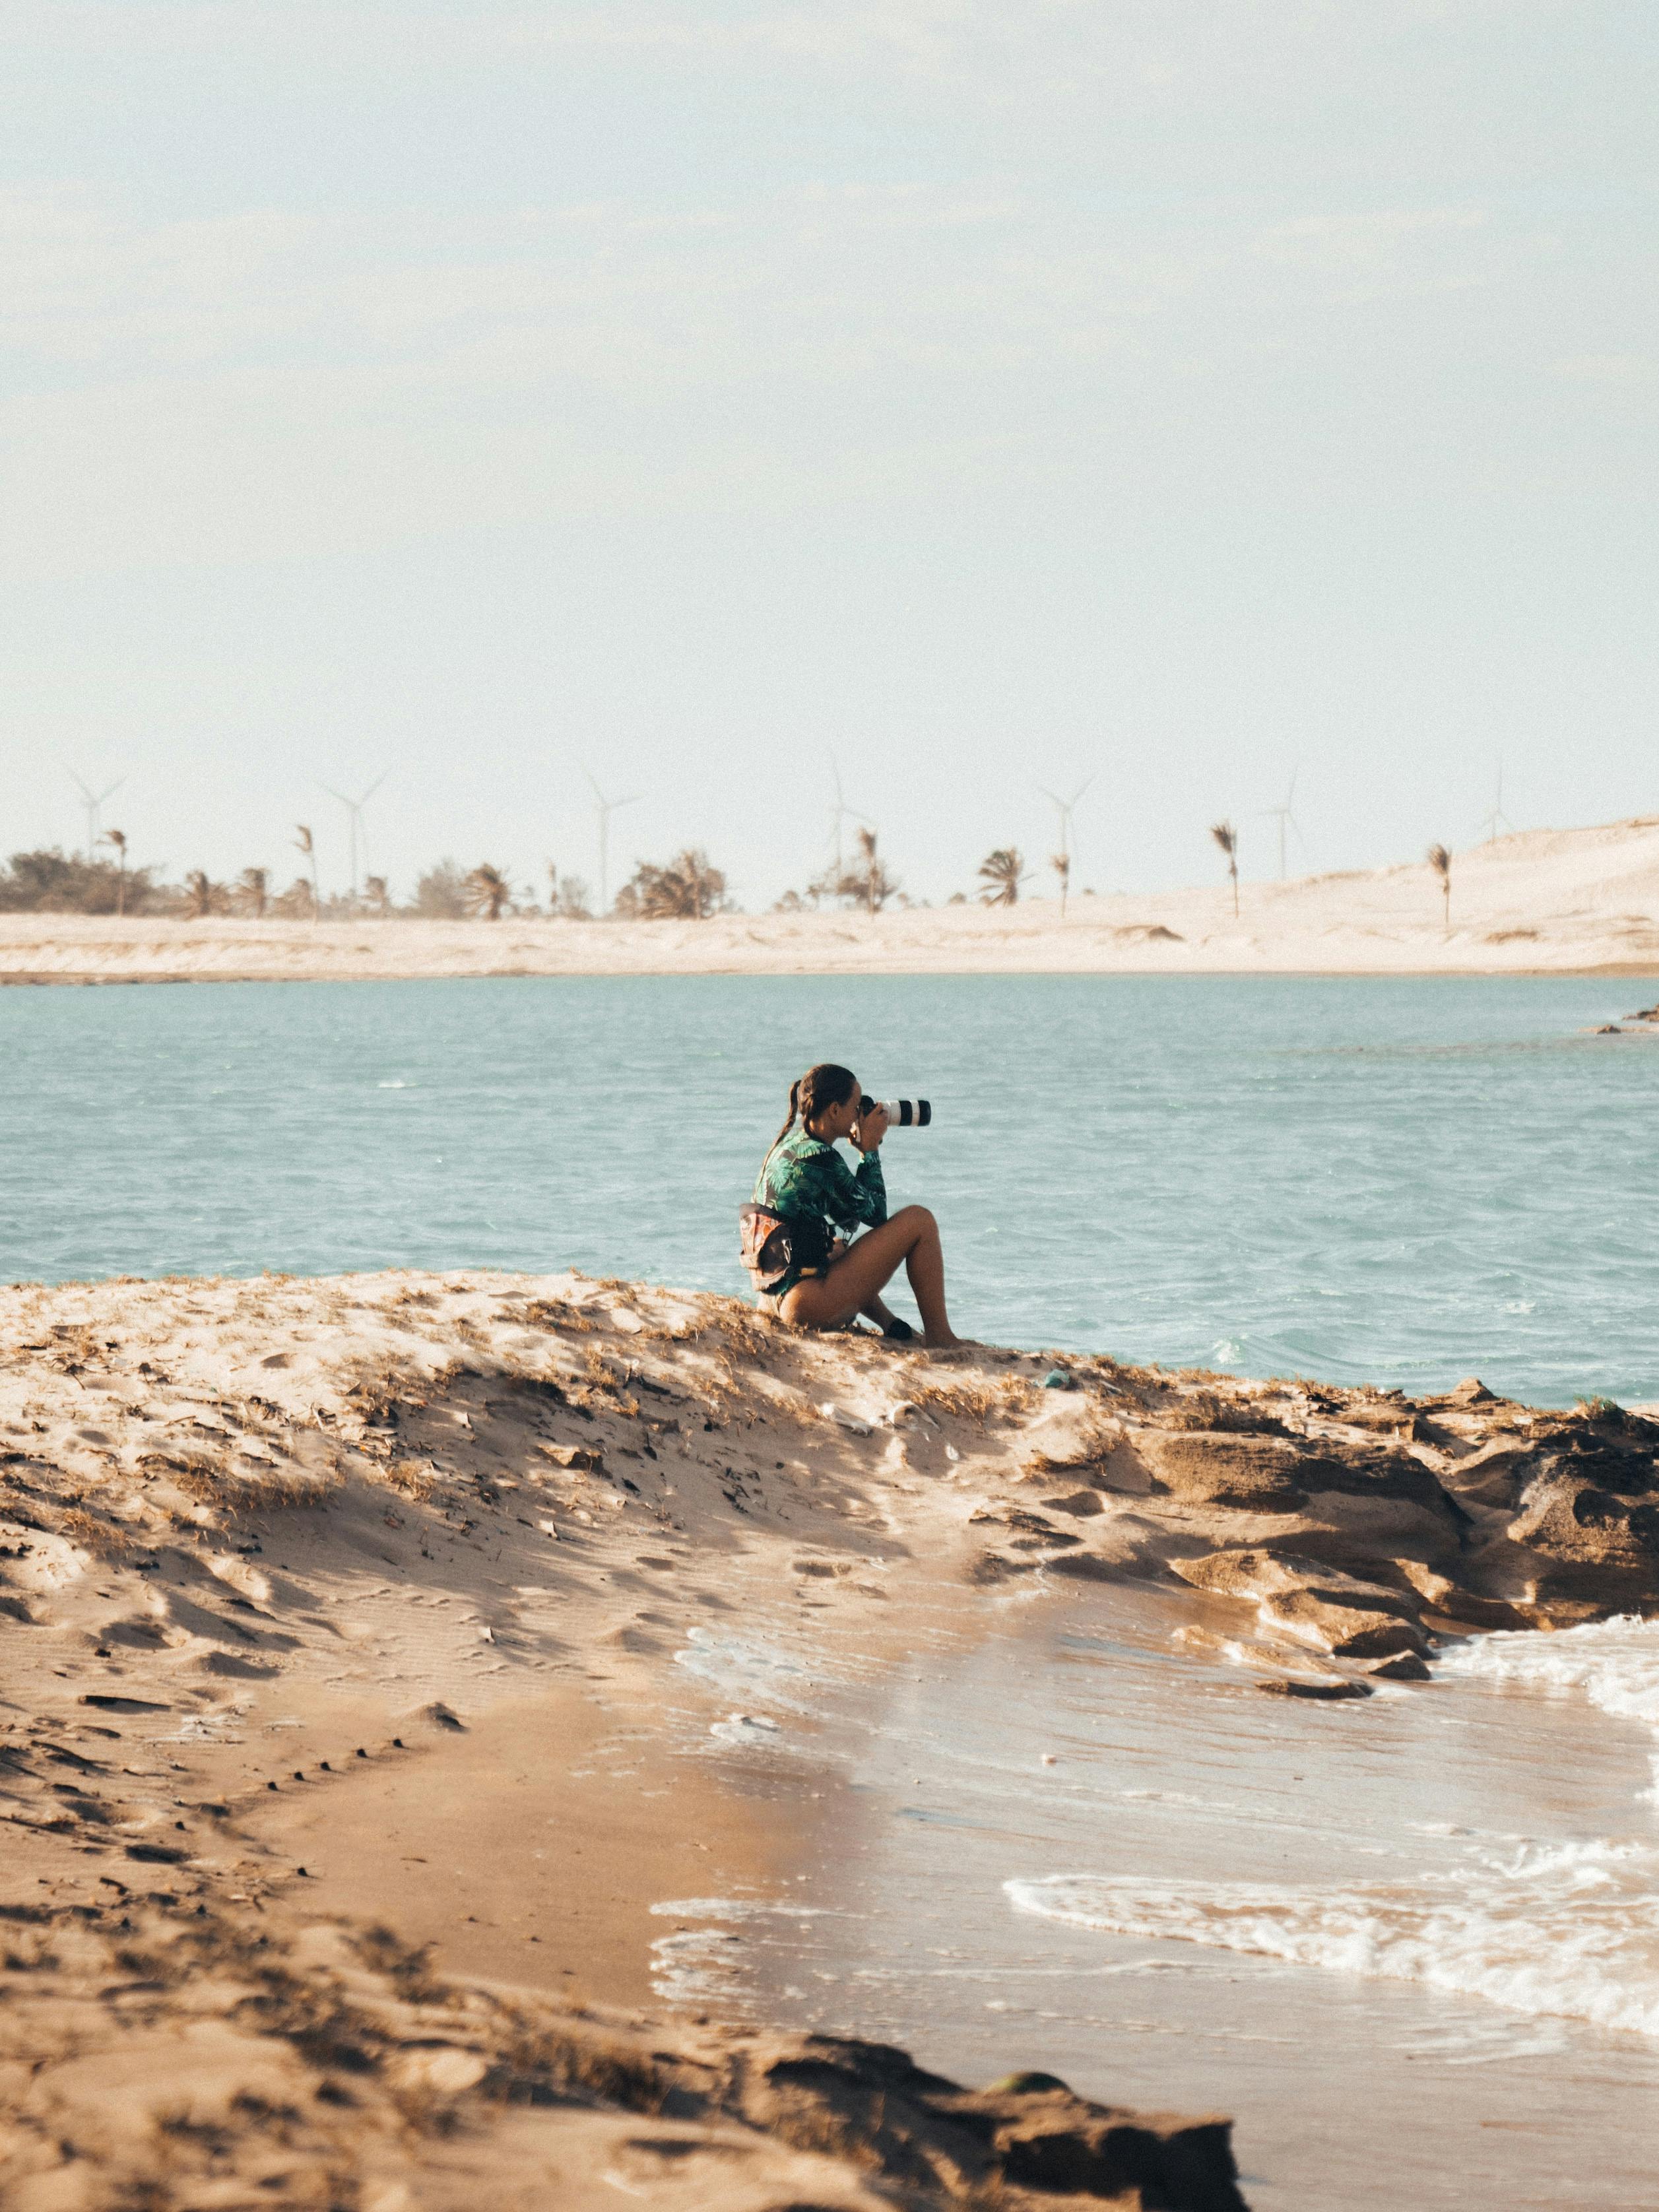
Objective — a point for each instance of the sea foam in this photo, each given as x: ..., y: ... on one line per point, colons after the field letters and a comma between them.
x: 760, y: 1672
x: 1569, y: 1928
x: 1614, y: 1664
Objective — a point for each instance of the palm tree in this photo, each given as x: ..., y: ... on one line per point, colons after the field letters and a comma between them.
x: 705, y: 885
x: 1062, y: 865
x: 303, y: 841
x: 1227, y: 837
x: 1004, y: 872
x: 876, y: 886
x: 377, y: 896
x: 488, y: 891
x: 686, y: 888
x: 1440, y: 861
x: 119, y: 838
x: 569, y: 897
x: 252, y: 892
x: 867, y: 882
x: 205, y: 896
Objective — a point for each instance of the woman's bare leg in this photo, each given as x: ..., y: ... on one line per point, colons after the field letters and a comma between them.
x: 911, y: 1237
x: 875, y: 1310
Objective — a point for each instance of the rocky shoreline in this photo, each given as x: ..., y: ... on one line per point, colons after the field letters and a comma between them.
x: 266, y: 1546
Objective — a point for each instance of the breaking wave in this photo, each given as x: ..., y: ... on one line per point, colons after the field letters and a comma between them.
x: 1567, y: 1928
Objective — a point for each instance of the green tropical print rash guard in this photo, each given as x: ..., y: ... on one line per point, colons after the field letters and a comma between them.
x: 806, y: 1180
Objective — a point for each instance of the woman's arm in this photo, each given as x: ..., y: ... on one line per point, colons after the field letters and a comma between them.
x: 851, y: 1201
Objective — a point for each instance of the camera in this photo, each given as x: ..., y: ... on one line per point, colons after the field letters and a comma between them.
x: 902, y: 1113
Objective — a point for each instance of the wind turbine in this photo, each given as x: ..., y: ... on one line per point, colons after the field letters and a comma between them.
x: 354, y: 808
x: 1497, y: 818
x: 1284, y: 814
x: 842, y: 813
x: 604, y: 808
x: 93, y: 801
x: 1063, y: 808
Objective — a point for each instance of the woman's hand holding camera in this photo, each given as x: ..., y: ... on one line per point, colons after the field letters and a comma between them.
x: 870, y: 1128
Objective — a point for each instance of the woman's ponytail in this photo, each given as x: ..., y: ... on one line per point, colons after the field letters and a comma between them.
x: 794, y: 1108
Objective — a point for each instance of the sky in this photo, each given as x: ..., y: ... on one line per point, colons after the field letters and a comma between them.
x: 714, y: 396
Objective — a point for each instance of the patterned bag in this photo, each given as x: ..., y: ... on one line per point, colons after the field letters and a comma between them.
x: 773, y: 1243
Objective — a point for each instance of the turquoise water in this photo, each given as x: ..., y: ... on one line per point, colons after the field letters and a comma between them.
x: 1394, y: 1181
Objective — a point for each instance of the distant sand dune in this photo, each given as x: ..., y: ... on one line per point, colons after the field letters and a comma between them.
x: 1558, y: 901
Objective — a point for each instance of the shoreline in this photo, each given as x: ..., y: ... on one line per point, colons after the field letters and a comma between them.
x: 1582, y: 902
x: 1613, y: 970
x: 348, y: 1616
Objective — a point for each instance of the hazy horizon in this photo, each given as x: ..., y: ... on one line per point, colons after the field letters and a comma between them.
x: 690, y: 391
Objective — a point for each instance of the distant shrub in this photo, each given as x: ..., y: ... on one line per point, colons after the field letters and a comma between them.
x: 53, y: 882
x: 441, y: 894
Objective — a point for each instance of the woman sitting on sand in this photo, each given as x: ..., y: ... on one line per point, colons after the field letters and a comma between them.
x: 805, y: 1192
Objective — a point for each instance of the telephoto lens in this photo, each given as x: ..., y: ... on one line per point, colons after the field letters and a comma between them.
x: 902, y: 1113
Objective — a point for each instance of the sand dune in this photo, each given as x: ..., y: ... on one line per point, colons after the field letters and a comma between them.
x: 1543, y: 899
x: 340, y: 1620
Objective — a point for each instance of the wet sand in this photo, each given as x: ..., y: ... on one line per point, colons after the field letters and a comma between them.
x: 525, y: 1843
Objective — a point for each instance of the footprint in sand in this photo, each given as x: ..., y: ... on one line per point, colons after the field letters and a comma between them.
x: 229, y: 1663
x: 237, y: 1573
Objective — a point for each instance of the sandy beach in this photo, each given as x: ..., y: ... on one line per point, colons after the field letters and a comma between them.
x: 1570, y: 901
x: 343, y: 1746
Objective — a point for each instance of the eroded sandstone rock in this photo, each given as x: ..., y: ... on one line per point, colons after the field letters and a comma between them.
x: 1379, y: 1501
x: 1455, y: 1514
x: 1347, y: 1631
x: 1463, y: 1609
x: 1298, y: 1597
x: 1595, y: 1540
x: 926, y: 2131
x: 1494, y: 1476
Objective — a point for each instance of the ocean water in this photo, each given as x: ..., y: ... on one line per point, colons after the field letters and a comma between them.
x: 1412, y: 1945
x: 1386, y: 1180
x: 1402, y: 1181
